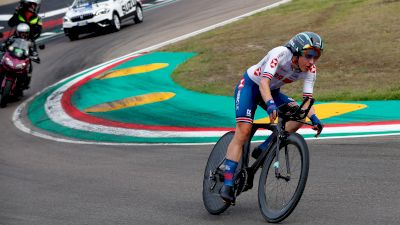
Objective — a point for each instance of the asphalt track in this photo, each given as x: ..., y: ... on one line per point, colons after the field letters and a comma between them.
x: 351, y: 181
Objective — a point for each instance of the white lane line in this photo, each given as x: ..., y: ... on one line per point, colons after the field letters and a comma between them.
x: 48, y: 33
x: 6, y: 17
x: 53, y: 13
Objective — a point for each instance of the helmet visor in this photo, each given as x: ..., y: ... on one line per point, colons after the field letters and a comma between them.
x: 312, y: 53
x: 31, y: 6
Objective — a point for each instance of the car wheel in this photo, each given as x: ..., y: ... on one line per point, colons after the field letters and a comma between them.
x: 116, y: 23
x: 73, y: 36
x: 138, y: 15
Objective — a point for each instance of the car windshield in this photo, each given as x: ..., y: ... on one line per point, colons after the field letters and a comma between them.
x: 19, y: 48
x: 82, y: 3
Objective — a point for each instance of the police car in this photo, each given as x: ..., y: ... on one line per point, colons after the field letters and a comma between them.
x: 85, y: 16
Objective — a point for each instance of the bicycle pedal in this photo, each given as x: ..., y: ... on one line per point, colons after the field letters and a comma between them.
x: 231, y: 203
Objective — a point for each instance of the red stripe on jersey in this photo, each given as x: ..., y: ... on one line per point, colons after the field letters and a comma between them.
x: 286, y: 80
x: 267, y: 75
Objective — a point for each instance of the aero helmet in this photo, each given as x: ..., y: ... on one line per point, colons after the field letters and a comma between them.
x: 306, y: 41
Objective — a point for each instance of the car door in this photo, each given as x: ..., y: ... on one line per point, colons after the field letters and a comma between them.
x: 128, y: 7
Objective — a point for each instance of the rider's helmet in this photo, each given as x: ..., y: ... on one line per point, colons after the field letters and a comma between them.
x: 31, y: 5
x: 306, y: 44
x: 23, y: 30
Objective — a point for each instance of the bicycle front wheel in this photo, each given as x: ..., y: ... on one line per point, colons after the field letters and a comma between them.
x: 279, y: 193
x: 213, y: 176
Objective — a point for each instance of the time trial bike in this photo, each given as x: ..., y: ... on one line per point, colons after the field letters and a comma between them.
x: 285, y: 165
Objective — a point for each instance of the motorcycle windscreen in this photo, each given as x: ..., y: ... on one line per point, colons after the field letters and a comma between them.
x: 19, y: 48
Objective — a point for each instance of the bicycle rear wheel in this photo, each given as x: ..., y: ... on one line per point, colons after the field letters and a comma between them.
x: 213, y: 176
x: 278, y: 196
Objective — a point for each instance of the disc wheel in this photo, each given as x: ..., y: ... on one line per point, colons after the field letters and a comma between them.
x: 214, y: 176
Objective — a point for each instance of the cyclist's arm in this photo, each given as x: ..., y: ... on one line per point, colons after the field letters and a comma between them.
x: 264, y: 89
x: 13, y: 21
x: 267, y: 97
x: 308, y: 88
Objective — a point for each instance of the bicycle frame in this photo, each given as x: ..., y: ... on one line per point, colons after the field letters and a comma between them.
x: 268, y: 160
x: 278, y: 135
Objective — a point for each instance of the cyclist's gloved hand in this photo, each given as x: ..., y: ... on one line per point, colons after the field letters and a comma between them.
x: 317, y: 124
x: 272, y: 110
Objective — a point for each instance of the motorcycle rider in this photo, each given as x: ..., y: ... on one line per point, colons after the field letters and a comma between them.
x: 23, y: 32
x: 27, y: 12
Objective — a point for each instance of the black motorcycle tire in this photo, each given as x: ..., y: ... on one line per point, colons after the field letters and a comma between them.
x: 5, y: 94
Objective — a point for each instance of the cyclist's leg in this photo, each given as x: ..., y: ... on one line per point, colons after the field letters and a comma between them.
x: 245, y: 106
x: 246, y: 94
x: 242, y: 133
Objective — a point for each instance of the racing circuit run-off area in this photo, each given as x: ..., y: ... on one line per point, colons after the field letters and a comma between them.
x: 188, y: 112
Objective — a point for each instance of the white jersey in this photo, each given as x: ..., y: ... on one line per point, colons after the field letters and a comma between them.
x: 277, y: 66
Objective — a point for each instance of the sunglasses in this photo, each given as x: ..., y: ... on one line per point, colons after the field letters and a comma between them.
x: 311, y: 53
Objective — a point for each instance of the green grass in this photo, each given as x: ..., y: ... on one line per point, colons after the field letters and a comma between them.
x: 360, y: 61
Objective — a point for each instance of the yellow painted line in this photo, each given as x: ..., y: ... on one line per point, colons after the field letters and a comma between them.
x: 130, y: 102
x: 132, y: 71
x: 328, y: 110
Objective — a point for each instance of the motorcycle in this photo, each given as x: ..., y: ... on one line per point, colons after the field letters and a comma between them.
x: 14, y: 68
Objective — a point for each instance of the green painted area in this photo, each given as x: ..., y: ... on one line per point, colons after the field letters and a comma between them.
x: 39, y: 119
x: 187, y: 108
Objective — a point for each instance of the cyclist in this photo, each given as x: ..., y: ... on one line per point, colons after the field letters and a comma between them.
x: 261, y: 85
